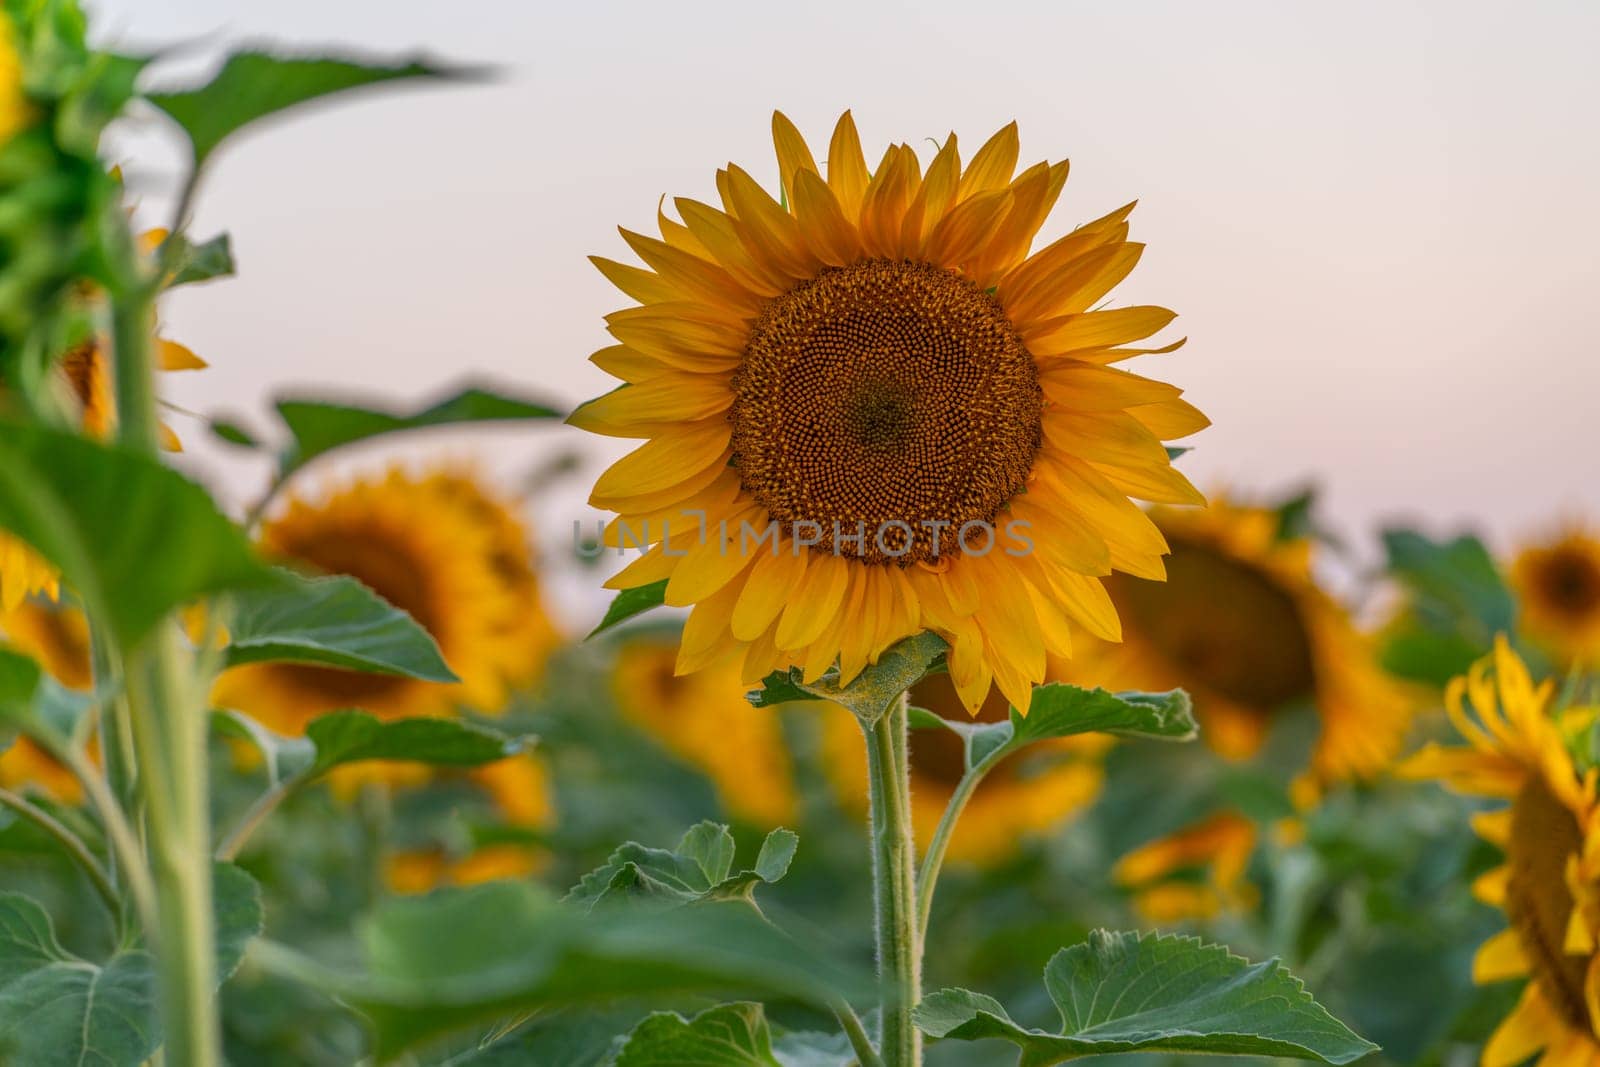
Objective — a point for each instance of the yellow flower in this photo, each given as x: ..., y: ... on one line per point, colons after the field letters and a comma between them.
x: 429, y: 546
x: 1196, y: 873
x: 1557, y: 583
x: 1549, y: 886
x: 87, y: 373
x: 704, y: 719
x: 15, y: 112
x: 880, y: 348
x: 1242, y: 624
x: 58, y: 637
x: 1028, y: 794
x: 23, y: 573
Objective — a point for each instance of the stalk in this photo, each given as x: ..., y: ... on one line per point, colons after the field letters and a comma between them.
x: 894, y: 857
x: 168, y: 726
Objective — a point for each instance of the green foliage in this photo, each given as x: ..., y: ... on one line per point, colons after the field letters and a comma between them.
x: 320, y: 426
x: 194, y: 263
x: 729, y: 1035
x: 1455, y: 578
x: 1123, y: 992
x: 252, y: 86
x: 456, y: 958
x: 58, y: 1010
x: 871, y: 692
x: 352, y: 736
x: 1059, y: 710
x: 109, y: 519
x: 630, y: 602
x: 698, y: 870
x: 333, y: 622
x: 36, y: 704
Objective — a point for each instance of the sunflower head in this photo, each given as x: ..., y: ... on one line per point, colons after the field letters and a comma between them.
x: 428, y: 546
x: 704, y: 720
x: 1282, y: 642
x: 870, y: 407
x: 1557, y: 583
x: 1549, y: 885
x: 1025, y: 796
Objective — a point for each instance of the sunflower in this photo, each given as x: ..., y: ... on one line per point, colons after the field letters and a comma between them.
x: 1196, y: 873
x: 87, y: 373
x: 518, y: 788
x: 1023, y: 796
x: 1557, y: 583
x: 704, y: 719
x: 1242, y: 624
x: 23, y: 572
x: 58, y: 638
x: 427, y: 545
x: 1549, y: 885
x: 876, y: 369
x: 15, y: 112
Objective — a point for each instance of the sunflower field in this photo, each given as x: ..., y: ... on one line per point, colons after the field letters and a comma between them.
x: 927, y: 713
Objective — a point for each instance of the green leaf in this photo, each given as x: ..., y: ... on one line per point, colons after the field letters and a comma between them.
x: 1456, y: 579
x: 36, y: 704
x: 630, y: 602
x: 352, y: 736
x: 284, y: 756
x: 871, y: 692
x: 1424, y: 655
x: 232, y: 433
x: 1126, y: 992
x: 236, y: 899
x: 333, y: 622
x: 57, y: 1010
x: 1059, y: 710
x: 253, y: 85
x: 729, y: 1035
x: 699, y: 869
x: 203, y: 262
x: 134, y: 539
x: 320, y: 426
x: 456, y: 958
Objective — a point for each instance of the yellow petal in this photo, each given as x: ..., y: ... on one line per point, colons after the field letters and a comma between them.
x: 847, y: 167
x: 651, y: 406
x: 816, y: 601
x: 1499, y: 958
x: 992, y: 167
x: 961, y: 234
x: 1097, y: 329
x: 771, y: 233
x: 642, y: 285
x: 170, y: 355
x: 770, y: 585
x: 1490, y: 886
x: 1530, y: 1027
x: 831, y: 237
x: 665, y: 461
x: 793, y: 154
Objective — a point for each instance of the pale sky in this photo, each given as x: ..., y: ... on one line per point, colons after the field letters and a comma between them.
x: 1377, y: 221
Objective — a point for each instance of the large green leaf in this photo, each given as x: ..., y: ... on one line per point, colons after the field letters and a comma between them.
x: 699, y: 869
x: 236, y: 900
x: 456, y: 958
x: 334, y: 622
x: 870, y: 693
x: 133, y: 538
x: 57, y: 1010
x: 728, y: 1035
x: 352, y: 736
x: 320, y: 426
x: 1059, y: 710
x: 1452, y: 578
x: 253, y: 85
x: 630, y: 602
x: 1126, y: 992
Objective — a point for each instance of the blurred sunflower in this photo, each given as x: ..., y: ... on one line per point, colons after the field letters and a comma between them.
x: 15, y: 112
x: 519, y: 790
x: 87, y: 372
x: 704, y: 719
x: 431, y: 545
x: 1557, y: 583
x: 1196, y: 873
x: 57, y: 637
x: 1549, y: 886
x: 23, y: 573
x: 880, y: 348
x: 1242, y: 624
x: 1023, y: 796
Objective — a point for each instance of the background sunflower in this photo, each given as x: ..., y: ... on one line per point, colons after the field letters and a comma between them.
x: 1557, y: 582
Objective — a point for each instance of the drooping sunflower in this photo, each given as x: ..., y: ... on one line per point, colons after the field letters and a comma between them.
x: 704, y: 719
x: 878, y: 371
x: 1196, y: 873
x: 1549, y: 886
x: 1026, y: 795
x: 1557, y: 583
x: 1243, y: 625
x: 428, y: 545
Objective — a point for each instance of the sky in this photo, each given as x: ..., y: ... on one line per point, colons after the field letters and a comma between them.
x: 1376, y: 220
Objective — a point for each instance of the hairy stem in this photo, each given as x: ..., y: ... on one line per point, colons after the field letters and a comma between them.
x: 934, y: 860
x: 894, y: 857
x: 69, y: 841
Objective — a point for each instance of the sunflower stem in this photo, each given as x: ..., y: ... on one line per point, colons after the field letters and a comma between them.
x: 167, y: 713
x: 933, y: 861
x: 894, y: 859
